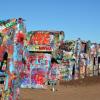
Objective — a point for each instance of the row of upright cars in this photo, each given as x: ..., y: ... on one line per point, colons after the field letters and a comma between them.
x: 31, y: 59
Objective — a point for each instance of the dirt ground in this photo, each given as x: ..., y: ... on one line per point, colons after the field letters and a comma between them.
x: 83, y: 89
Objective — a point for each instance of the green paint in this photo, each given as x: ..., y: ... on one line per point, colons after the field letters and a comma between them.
x: 1, y: 21
x: 10, y: 24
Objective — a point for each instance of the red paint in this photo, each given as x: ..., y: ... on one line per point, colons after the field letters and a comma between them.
x: 45, y: 48
x: 40, y: 38
x: 20, y: 37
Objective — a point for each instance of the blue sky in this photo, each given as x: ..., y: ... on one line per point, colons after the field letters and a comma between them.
x: 77, y: 18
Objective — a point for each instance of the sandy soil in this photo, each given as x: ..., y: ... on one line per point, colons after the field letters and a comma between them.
x: 83, y: 89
